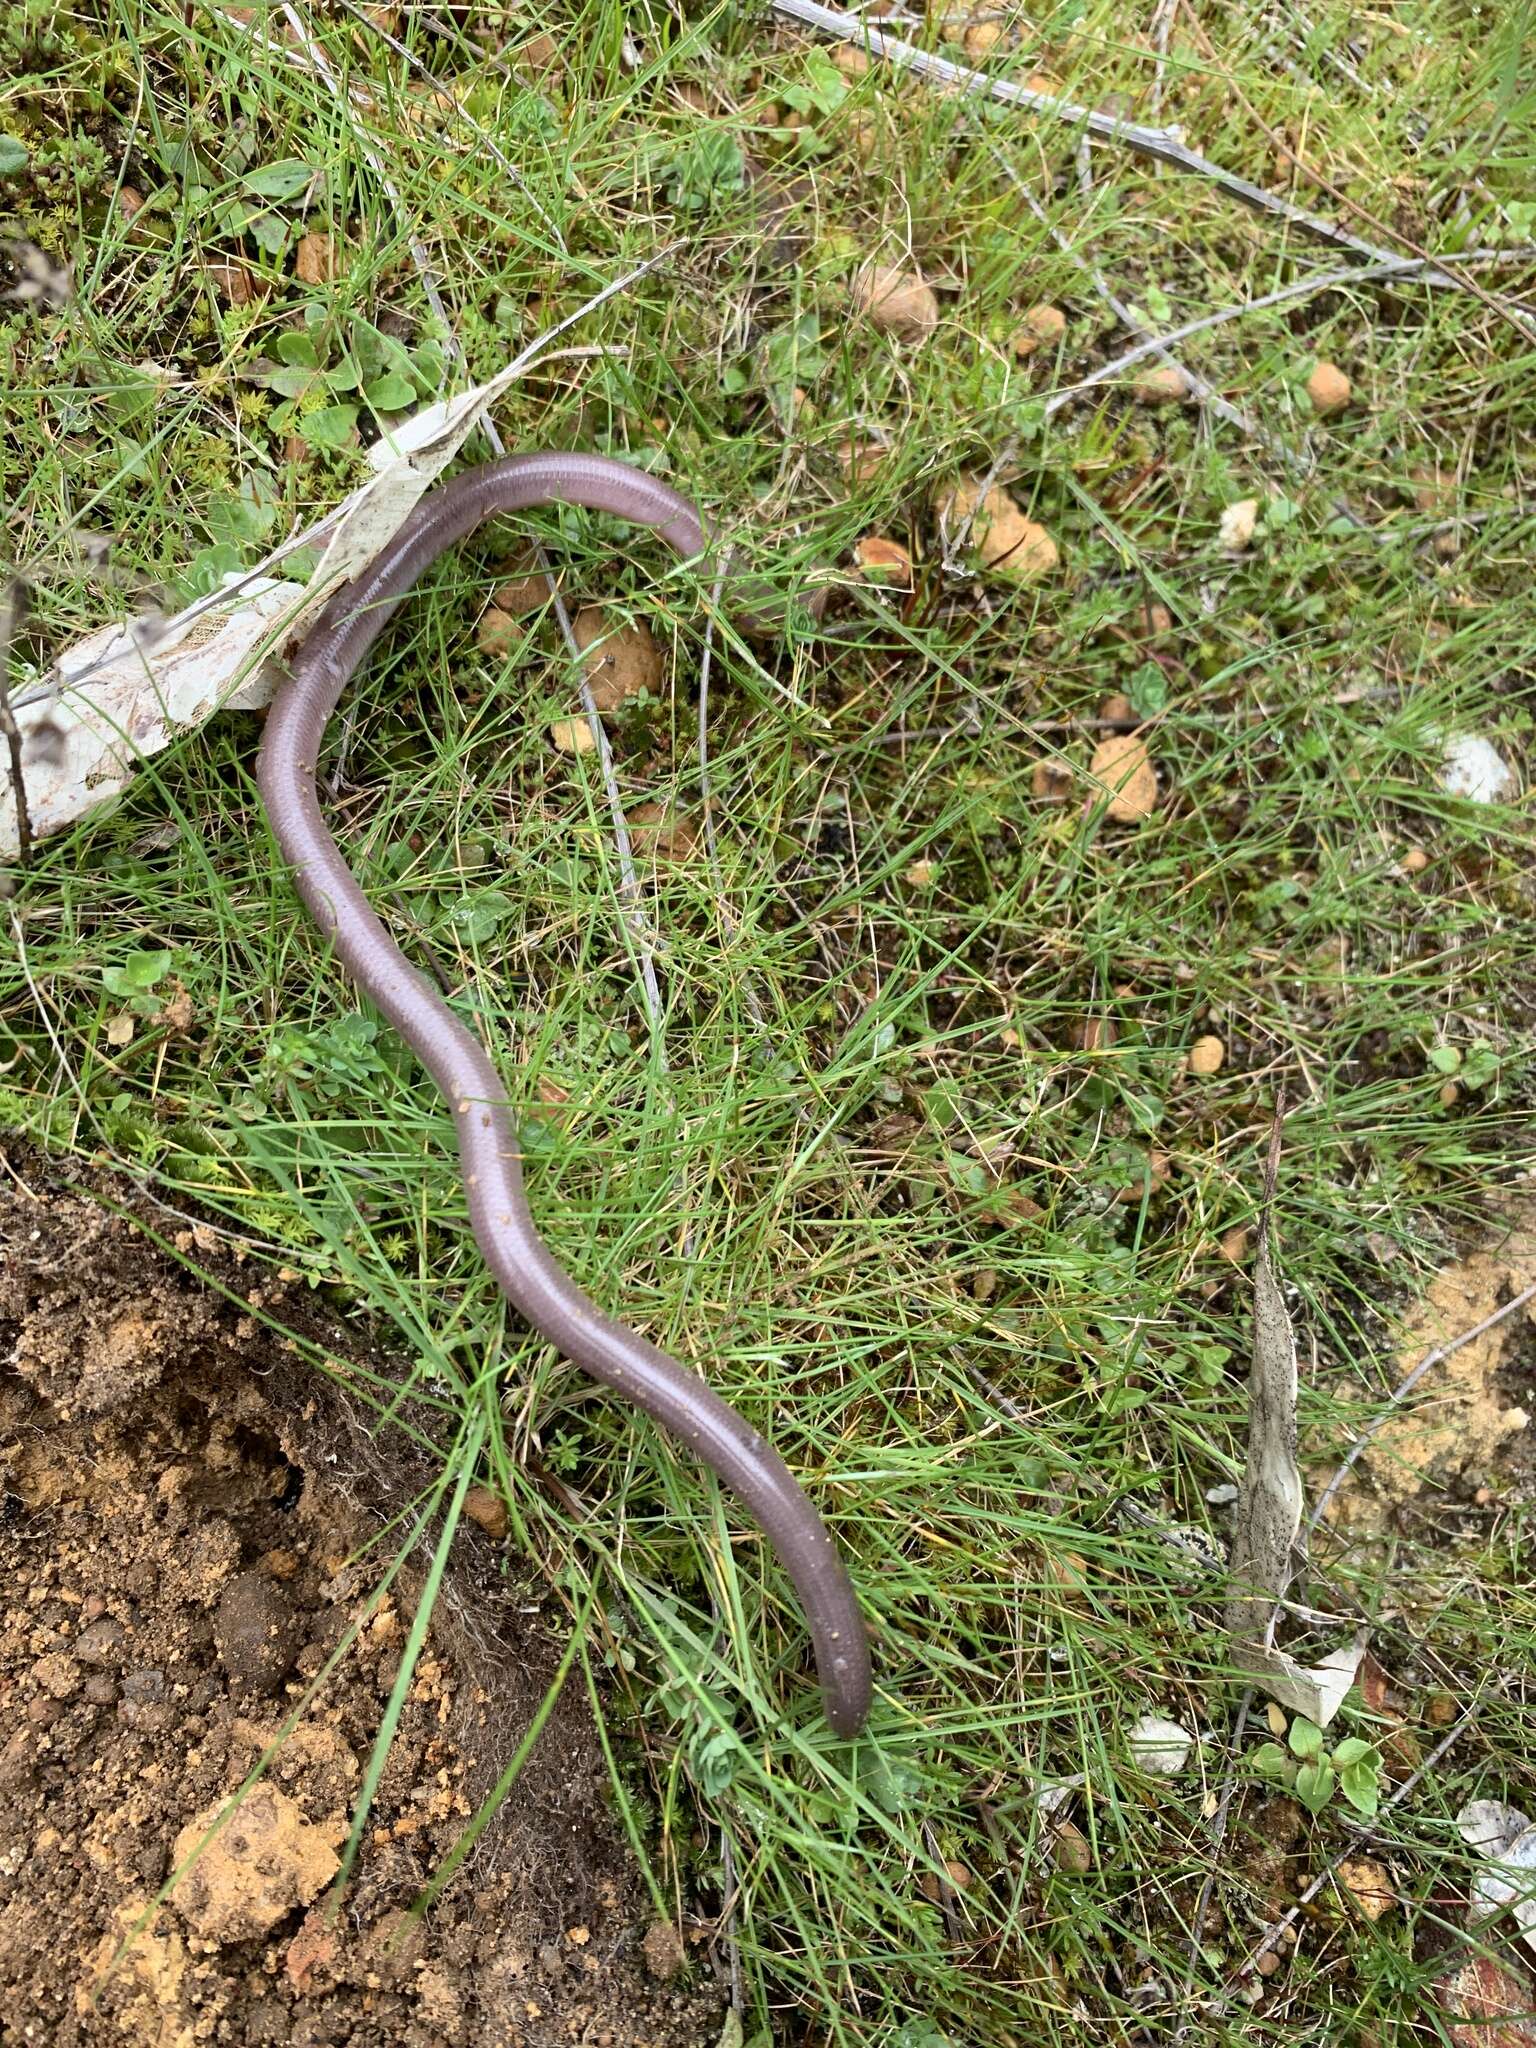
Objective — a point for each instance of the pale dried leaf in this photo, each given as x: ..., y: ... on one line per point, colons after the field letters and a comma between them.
x: 1315, y: 1690
x: 80, y: 748
x: 1488, y: 1825
x: 1267, y: 1522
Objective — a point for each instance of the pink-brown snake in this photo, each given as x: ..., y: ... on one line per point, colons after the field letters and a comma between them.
x: 488, y: 1152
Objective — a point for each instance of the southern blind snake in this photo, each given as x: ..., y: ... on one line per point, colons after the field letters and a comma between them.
x: 525, y: 1270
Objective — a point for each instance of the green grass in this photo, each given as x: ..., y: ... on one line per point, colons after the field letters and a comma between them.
x: 864, y: 1155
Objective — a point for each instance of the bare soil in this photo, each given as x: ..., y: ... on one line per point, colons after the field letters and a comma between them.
x: 186, y: 1504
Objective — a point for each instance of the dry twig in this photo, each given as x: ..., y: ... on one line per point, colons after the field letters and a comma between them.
x: 1162, y: 145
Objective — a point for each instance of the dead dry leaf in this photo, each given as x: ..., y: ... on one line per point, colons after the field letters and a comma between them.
x: 882, y: 561
x: 1315, y: 1690
x: 1008, y: 543
x: 314, y: 260
x: 658, y: 833
x: 120, y: 1030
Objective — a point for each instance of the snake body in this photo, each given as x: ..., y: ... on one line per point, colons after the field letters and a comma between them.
x: 528, y: 1274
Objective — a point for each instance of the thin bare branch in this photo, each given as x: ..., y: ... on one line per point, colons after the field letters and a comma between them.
x: 1405, y: 267
x: 1204, y: 392
x: 10, y: 730
x: 1162, y: 145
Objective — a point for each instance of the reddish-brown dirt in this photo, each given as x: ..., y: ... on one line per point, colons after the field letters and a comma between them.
x: 185, y: 1515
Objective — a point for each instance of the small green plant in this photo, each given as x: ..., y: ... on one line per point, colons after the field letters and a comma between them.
x: 1308, y: 1768
x: 134, y: 979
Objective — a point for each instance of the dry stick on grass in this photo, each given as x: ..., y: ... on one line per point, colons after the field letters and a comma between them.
x: 1162, y: 23
x: 1404, y: 1388
x: 629, y: 883
x: 9, y: 605
x: 1162, y: 145
x: 483, y: 137
x: 1516, y: 316
x: 1206, y: 393
x: 1406, y: 267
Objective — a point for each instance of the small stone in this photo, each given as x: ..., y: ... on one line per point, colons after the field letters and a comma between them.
x: 1160, y: 1746
x: 1206, y: 1056
x: 1124, y: 768
x: 1233, y: 1245
x: 1167, y: 384
x: 1268, y: 1963
x: 1369, y: 1887
x: 1475, y: 769
x: 101, y: 1643
x: 1071, y: 1848
x: 896, y: 301
x: 1414, y: 861
x: 524, y: 591
x: 487, y: 1511
x: 1043, y: 326
x: 58, y: 1675
x: 255, y: 1633
x: 129, y: 201
x: 120, y: 1031
x: 1117, y: 710
x: 981, y: 39
x: 1239, y: 523
x: 1328, y: 388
